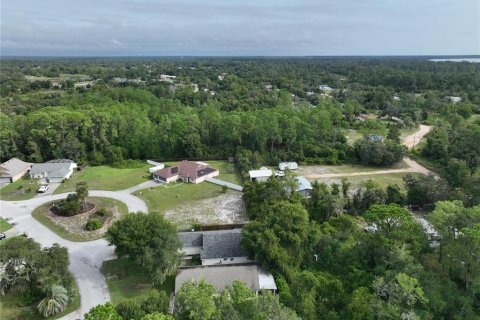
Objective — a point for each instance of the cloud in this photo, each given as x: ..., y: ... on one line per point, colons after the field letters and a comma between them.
x: 248, y: 27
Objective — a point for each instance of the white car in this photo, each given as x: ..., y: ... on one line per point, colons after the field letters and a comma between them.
x: 280, y: 173
x: 43, y: 188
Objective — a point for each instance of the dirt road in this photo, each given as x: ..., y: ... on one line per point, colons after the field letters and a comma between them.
x: 413, y: 139
x: 413, y: 167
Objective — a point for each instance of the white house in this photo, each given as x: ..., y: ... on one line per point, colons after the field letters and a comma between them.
x: 324, y: 87
x: 287, y: 165
x: 260, y: 175
x: 53, y: 170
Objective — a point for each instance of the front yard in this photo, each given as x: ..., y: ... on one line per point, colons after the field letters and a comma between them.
x: 73, y: 228
x: 126, y: 280
x: 106, y: 178
x: 4, y: 225
x: 22, y: 189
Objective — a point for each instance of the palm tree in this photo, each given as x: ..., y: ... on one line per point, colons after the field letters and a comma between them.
x: 55, y: 302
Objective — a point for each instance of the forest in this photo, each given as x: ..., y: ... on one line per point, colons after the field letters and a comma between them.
x: 337, y: 254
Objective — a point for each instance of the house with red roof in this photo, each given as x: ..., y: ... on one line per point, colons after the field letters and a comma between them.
x: 187, y: 171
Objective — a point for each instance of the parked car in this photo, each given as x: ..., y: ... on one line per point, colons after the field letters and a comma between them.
x: 2, y: 236
x: 43, y: 188
x: 280, y: 173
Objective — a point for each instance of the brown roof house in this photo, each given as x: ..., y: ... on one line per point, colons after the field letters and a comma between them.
x: 187, y: 171
x: 13, y: 169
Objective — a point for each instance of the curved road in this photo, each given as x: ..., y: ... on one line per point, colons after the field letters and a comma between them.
x: 86, y: 258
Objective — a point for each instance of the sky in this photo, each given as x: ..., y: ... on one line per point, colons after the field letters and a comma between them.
x: 239, y: 27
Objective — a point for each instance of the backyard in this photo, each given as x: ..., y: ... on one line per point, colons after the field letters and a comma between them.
x: 127, y: 280
x: 107, y: 178
x: 22, y: 189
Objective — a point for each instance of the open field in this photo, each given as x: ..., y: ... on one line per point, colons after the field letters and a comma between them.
x: 383, y: 180
x: 21, y: 189
x: 345, y: 169
x: 73, y: 228
x: 106, y: 178
x: 126, y: 280
x: 185, y: 204
x: 11, y: 306
x: 4, y: 225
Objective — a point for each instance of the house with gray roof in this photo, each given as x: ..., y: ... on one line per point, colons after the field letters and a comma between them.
x: 304, y: 187
x: 53, y: 171
x: 221, y: 276
x: 215, y: 247
x: 13, y: 169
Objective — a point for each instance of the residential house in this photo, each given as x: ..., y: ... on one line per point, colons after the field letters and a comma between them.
x: 324, y: 87
x: 13, y: 169
x: 214, y: 247
x: 287, y: 165
x: 260, y: 175
x: 376, y: 137
x: 221, y: 276
x: 166, y: 77
x: 455, y: 99
x: 53, y: 170
x: 223, y: 261
x: 304, y: 187
x: 187, y: 171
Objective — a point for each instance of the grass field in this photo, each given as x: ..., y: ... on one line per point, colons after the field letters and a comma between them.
x: 126, y: 280
x: 21, y: 189
x: 346, y: 168
x: 106, y: 178
x: 383, y: 180
x: 10, y: 307
x: 4, y: 225
x: 42, y: 213
x: 166, y: 197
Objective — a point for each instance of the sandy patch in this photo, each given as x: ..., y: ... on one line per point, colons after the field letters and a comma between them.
x: 224, y: 209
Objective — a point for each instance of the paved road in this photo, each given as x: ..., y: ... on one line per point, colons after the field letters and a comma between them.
x: 225, y: 183
x: 86, y: 258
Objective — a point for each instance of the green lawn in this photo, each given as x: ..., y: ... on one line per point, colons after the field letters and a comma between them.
x: 168, y: 196
x: 382, y: 179
x: 4, y: 225
x: 106, y: 178
x: 126, y: 280
x: 41, y: 214
x: 21, y: 189
x: 11, y: 305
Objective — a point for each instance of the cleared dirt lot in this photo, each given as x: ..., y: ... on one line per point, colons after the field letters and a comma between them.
x: 224, y: 209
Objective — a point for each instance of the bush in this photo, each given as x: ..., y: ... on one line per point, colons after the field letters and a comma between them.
x: 128, y: 164
x: 93, y: 224
x: 69, y: 207
x: 103, y: 212
x: 27, y: 314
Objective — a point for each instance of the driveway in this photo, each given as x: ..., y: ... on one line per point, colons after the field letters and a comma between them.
x: 86, y: 258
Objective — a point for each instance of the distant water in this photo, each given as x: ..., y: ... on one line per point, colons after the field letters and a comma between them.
x: 472, y: 60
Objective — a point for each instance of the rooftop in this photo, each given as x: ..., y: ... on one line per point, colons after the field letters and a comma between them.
x: 260, y: 173
x: 222, y: 276
x: 303, y: 183
x: 13, y: 167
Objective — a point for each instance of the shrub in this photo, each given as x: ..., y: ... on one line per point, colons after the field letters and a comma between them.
x: 103, y: 212
x: 197, y: 226
x: 27, y: 314
x: 93, y: 224
x: 224, y: 189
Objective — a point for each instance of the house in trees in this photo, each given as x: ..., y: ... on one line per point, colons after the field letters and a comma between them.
x: 214, y: 247
x: 260, y: 175
x: 187, y: 171
x: 304, y: 187
x: 13, y: 169
x: 53, y: 170
x: 221, y: 276
x: 224, y: 260
x: 376, y: 138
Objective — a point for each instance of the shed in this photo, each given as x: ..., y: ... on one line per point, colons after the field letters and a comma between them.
x: 260, y: 175
x: 288, y: 165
